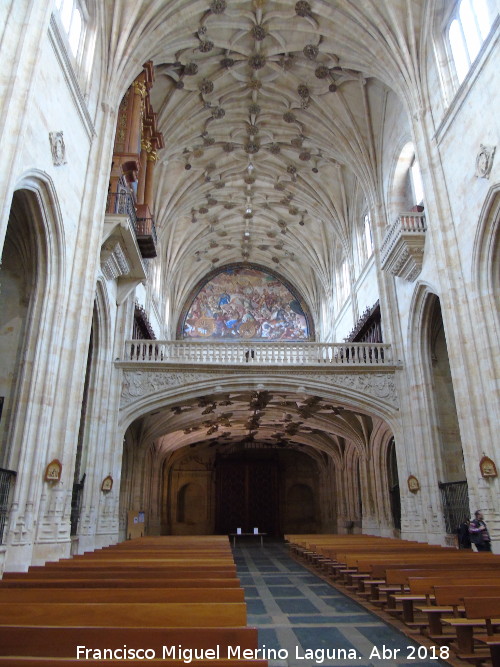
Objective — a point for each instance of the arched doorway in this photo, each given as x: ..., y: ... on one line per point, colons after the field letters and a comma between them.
x: 450, y: 459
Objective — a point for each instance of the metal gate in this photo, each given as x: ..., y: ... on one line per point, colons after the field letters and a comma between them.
x: 455, y: 499
x: 6, y: 479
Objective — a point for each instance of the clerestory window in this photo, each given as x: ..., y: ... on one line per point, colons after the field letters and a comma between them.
x: 367, y: 229
x: 416, y: 182
x: 469, y: 26
x: 71, y: 20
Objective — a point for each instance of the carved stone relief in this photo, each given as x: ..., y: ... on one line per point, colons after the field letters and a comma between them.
x: 57, y: 148
x: 114, y: 261
x: 484, y: 161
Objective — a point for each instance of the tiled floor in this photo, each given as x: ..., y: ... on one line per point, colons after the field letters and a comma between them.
x: 299, y: 613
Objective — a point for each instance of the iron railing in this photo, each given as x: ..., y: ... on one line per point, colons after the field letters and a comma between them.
x: 122, y: 203
x: 455, y: 500
x: 146, y: 227
x: 76, y: 505
x: 6, y: 480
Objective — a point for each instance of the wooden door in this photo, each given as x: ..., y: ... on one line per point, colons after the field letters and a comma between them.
x: 247, y: 496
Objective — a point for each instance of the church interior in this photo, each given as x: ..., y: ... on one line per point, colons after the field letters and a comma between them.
x: 249, y: 332
x: 250, y: 271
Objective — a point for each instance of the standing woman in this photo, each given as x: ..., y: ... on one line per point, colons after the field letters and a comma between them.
x: 479, y: 532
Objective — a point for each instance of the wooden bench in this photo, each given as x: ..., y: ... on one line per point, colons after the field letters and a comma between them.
x: 486, y: 609
x: 106, y: 582
x: 142, y: 614
x: 421, y: 583
x: 480, y: 614
x: 62, y: 642
x: 421, y: 590
x: 122, y: 595
x: 140, y: 564
x: 122, y: 573
x: 146, y: 595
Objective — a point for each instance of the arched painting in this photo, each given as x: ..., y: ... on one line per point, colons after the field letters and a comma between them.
x: 245, y: 303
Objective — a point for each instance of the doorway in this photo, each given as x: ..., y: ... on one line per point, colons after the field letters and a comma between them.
x: 247, y: 495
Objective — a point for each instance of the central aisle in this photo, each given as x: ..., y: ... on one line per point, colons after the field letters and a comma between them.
x: 297, y: 611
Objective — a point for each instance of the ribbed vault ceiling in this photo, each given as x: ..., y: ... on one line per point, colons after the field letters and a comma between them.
x: 270, y: 112
x: 269, y: 418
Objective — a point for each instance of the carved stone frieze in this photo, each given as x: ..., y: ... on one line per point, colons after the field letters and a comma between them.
x: 142, y: 383
x: 137, y: 384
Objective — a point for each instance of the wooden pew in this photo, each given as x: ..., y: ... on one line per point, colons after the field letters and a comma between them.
x: 141, y: 564
x: 143, y: 614
x: 450, y: 599
x: 122, y: 573
x: 422, y: 590
x: 121, y: 595
x: 397, y: 580
x: 62, y: 642
x: 383, y: 572
x: 481, y: 613
x: 130, y: 582
x: 152, y: 594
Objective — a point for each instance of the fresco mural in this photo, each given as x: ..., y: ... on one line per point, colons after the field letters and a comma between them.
x: 245, y: 303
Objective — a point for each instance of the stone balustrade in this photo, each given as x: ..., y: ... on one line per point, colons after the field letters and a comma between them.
x: 258, y: 354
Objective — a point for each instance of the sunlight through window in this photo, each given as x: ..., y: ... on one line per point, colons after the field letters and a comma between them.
x: 469, y: 28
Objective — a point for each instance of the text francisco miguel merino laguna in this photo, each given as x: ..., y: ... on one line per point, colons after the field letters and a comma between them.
x: 188, y: 655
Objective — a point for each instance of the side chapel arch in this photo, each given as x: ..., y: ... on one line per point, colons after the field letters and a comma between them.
x: 35, y: 236
x: 440, y: 438
x: 486, y: 263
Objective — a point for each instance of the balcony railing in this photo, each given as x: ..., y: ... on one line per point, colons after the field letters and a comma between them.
x: 146, y: 237
x: 122, y: 203
x: 259, y: 354
x: 402, y: 249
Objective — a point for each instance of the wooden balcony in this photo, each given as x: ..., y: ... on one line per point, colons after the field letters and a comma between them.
x: 141, y: 219
x: 146, y: 231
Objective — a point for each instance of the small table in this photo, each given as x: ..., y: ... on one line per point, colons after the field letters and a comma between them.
x: 235, y: 535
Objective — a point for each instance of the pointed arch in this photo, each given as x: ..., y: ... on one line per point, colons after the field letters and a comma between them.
x: 35, y: 233
x: 486, y: 261
x: 235, y: 301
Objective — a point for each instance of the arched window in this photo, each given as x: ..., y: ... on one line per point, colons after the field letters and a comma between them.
x: 407, y: 190
x: 416, y: 182
x: 469, y: 26
x: 70, y: 16
x: 367, y: 234
x: 343, y: 281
